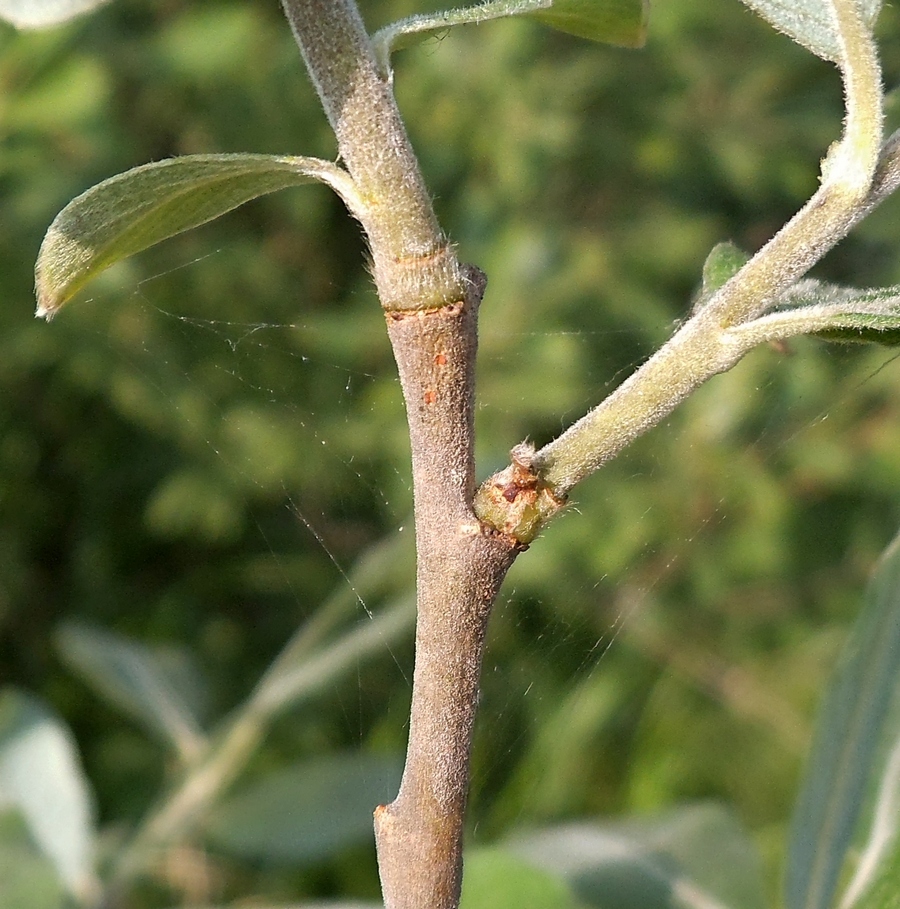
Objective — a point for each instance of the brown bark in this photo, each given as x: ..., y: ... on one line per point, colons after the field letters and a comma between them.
x: 461, y: 565
x: 431, y: 305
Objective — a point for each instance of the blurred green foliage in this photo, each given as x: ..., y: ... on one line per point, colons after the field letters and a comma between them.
x: 199, y: 447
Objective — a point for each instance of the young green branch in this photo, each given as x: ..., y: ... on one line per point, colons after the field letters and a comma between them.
x: 711, y: 342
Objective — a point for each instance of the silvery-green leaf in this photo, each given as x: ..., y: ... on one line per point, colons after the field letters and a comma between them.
x: 41, y: 776
x: 809, y: 22
x: 880, y: 855
x: 850, y: 314
x: 307, y: 812
x: 831, y: 312
x: 130, y: 212
x: 44, y: 13
x: 697, y: 857
x: 134, y: 679
x: 842, y: 761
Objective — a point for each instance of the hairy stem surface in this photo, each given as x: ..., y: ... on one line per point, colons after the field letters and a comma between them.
x: 460, y: 568
x: 414, y: 265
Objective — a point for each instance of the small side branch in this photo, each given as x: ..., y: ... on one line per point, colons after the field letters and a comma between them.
x: 856, y: 174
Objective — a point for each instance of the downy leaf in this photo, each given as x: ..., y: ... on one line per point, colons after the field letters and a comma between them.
x: 40, y: 774
x: 131, y: 677
x: 620, y: 22
x: 854, y: 315
x: 130, y: 212
x: 841, y: 762
x: 44, y: 13
x: 307, y: 812
x: 809, y: 22
x: 836, y: 313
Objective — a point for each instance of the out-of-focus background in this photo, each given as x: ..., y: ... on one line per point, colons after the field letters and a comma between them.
x: 197, y: 452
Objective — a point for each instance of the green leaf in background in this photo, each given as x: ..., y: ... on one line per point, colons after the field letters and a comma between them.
x: 497, y: 879
x: 41, y: 776
x: 133, y: 678
x: 809, y: 22
x: 619, y: 22
x: 307, y: 812
x: 28, y: 879
x: 841, y: 762
x: 132, y: 211
x: 44, y: 13
x: 696, y: 857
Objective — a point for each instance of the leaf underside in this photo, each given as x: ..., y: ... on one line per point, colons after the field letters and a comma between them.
x: 619, y: 22
x: 850, y: 315
x: 810, y: 23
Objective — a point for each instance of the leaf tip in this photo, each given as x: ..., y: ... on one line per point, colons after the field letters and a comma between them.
x: 45, y: 310
x: 49, y: 300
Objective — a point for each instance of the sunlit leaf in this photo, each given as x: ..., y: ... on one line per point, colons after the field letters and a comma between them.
x: 41, y: 776
x: 130, y: 212
x: 497, y: 879
x: 309, y: 811
x: 621, y: 22
x: 809, y: 22
x: 44, y: 13
x: 841, y: 763
x: 696, y: 857
x: 133, y: 678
